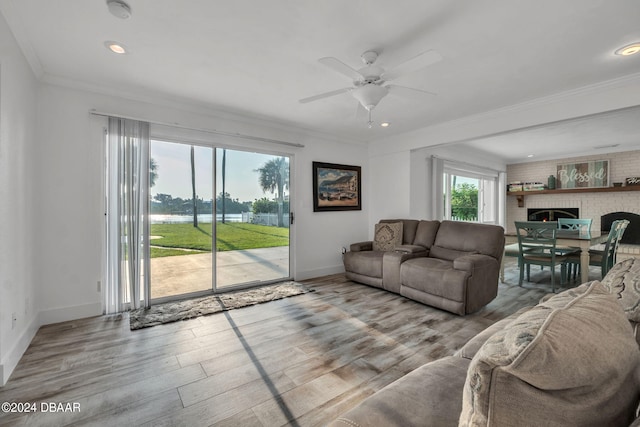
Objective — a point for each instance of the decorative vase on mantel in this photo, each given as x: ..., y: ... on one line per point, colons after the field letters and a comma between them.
x: 551, y: 182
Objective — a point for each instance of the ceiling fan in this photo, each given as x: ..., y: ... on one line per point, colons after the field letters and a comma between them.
x: 369, y: 81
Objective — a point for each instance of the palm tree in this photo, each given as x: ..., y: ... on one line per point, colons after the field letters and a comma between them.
x: 153, y: 171
x: 274, y: 178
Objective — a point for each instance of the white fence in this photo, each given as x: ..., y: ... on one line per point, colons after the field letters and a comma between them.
x: 265, y: 218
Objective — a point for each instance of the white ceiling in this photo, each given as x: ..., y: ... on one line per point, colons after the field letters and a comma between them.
x: 258, y: 58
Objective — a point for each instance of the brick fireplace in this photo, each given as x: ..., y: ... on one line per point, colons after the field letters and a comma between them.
x: 631, y: 235
x: 551, y: 214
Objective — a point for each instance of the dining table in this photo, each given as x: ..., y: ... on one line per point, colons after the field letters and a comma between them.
x: 575, y: 238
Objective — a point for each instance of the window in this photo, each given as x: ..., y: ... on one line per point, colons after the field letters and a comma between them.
x: 470, y: 193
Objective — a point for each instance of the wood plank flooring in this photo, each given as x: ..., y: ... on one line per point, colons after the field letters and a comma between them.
x: 299, y: 361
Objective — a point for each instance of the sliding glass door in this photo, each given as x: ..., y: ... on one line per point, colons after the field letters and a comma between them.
x: 245, y: 243
x: 252, y: 206
x: 181, y: 218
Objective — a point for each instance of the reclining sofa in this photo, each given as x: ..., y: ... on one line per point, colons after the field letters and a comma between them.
x: 571, y: 360
x: 450, y: 265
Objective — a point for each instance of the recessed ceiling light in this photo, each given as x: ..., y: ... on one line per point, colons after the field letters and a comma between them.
x: 530, y: 155
x: 629, y: 49
x: 385, y: 124
x: 116, y: 47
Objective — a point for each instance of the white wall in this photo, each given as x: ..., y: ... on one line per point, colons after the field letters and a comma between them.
x: 389, y: 187
x: 18, y: 213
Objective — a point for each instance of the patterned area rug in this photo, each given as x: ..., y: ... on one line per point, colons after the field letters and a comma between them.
x: 202, y: 306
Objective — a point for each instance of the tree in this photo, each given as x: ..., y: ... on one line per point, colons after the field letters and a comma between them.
x: 153, y: 172
x: 274, y: 178
x: 464, y: 202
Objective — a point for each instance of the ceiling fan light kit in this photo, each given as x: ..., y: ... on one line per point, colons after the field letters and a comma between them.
x: 369, y: 95
x: 369, y: 82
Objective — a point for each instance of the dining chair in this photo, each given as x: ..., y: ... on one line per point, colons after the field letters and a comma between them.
x: 537, y: 246
x: 580, y: 225
x: 605, y: 258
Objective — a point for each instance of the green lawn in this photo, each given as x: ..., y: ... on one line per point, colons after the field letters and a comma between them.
x: 230, y: 236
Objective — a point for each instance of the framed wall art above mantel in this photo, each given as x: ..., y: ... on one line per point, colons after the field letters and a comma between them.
x: 591, y: 174
x: 336, y: 187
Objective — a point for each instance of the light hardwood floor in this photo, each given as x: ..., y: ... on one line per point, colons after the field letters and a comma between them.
x: 298, y: 361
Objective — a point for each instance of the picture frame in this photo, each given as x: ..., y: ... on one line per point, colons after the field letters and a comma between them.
x: 336, y: 187
x: 588, y: 174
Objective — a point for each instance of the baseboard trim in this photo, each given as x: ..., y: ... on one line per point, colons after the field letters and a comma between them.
x: 64, y: 314
x: 10, y: 361
x: 318, y: 272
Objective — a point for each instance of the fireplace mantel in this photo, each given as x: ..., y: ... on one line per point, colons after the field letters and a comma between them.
x: 520, y: 194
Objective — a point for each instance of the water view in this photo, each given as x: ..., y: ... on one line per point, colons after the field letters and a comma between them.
x: 185, y: 219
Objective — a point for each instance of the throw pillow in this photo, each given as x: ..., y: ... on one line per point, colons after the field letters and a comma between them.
x: 387, y: 236
x: 570, y: 360
x: 623, y: 281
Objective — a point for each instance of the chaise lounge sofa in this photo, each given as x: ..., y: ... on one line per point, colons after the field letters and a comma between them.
x: 450, y: 265
x: 572, y: 360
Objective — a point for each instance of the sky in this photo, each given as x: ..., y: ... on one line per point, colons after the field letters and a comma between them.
x: 174, y: 171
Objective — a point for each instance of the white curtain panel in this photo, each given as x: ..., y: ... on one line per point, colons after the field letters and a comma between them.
x: 437, y: 193
x: 127, y: 215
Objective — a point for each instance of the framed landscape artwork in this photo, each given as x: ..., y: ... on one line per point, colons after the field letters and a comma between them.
x: 336, y: 187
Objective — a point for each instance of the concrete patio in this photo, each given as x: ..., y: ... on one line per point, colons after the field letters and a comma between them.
x: 183, y: 274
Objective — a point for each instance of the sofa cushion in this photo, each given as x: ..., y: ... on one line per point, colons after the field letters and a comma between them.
x: 448, y: 254
x: 387, y: 236
x: 434, y: 276
x: 426, y: 233
x: 623, y: 281
x: 430, y: 395
x: 471, y: 237
x: 409, y: 227
x: 366, y: 263
x: 571, y: 360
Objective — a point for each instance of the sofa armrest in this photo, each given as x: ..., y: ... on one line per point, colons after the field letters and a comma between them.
x: 482, y: 282
x: 361, y: 246
x: 469, y: 350
x: 473, y: 262
x: 410, y: 249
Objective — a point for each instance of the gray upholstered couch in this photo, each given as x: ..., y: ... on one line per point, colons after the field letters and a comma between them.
x: 449, y: 265
x: 572, y: 360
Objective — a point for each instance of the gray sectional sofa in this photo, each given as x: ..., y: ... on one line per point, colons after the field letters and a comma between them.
x: 450, y: 265
x: 572, y: 360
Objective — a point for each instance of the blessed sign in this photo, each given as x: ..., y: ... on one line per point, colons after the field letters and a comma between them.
x: 583, y: 175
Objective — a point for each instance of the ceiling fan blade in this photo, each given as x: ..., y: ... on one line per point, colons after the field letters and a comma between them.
x: 340, y: 67
x: 414, y: 64
x: 324, y: 95
x: 409, y: 92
